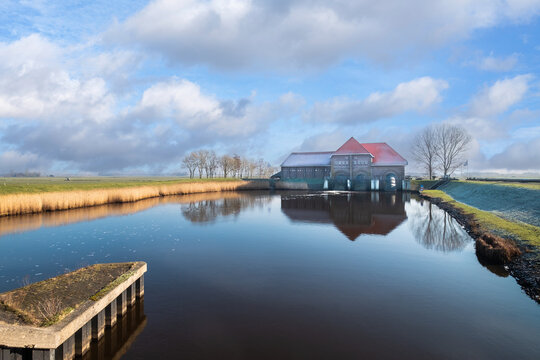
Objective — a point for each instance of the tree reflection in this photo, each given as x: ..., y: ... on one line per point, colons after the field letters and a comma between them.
x: 435, y: 229
x: 208, y: 211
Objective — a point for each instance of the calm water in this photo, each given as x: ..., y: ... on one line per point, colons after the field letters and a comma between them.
x: 286, y: 276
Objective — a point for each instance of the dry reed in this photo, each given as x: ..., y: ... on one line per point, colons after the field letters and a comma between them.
x: 17, y: 204
x: 495, y: 250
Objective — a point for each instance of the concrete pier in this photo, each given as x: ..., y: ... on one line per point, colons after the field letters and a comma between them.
x: 83, y: 336
x: 121, y: 303
x: 74, y: 334
x: 111, y: 314
x: 98, y: 325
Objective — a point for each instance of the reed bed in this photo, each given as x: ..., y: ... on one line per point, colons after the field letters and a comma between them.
x: 17, y: 204
x: 26, y: 222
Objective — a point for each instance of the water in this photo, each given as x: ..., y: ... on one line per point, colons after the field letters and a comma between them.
x: 288, y: 276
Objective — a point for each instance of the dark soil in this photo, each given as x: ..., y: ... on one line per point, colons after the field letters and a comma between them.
x: 525, y: 268
x: 44, y: 302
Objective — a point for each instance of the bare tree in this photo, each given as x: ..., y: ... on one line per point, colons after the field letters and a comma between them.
x: 424, y: 149
x: 452, y: 143
x: 252, y: 168
x: 190, y: 162
x: 237, y: 165
x: 202, y: 157
x: 261, y: 166
x: 212, y: 163
x: 227, y: 165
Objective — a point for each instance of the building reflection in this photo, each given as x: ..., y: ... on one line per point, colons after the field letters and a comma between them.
x: 353, y: 214
x: 435, y: 229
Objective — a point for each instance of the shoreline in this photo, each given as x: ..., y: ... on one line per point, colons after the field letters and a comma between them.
x: 525, y: 268
x: 33, y: 203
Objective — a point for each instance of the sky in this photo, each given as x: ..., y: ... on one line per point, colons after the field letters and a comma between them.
x: 130, y: 86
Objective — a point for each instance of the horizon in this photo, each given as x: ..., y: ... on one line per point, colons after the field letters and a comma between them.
x: 130, y: 88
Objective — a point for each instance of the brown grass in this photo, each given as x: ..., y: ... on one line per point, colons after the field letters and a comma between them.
x: 495, y: 250
x: 16, y: 204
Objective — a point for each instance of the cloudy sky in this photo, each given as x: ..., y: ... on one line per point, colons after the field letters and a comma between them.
x: 130, y: 86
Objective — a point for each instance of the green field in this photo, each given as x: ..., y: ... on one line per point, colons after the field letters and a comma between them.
x: 491, y: 222
x: 16, y: 185
x: 527, y: 185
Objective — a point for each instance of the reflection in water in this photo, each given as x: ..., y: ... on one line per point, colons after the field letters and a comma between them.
x: 21, y: 223
x: 353, y: 214
x: 118, y: 339
x: 207, y: 211
x: 434, y: 228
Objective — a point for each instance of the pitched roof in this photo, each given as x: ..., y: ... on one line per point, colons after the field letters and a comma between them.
x: 351, y: 146
x: 383, y: 154
x: 308, y: 159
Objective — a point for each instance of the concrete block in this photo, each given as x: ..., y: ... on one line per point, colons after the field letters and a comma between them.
x: 82, y: 339
x: 98, y: 325
x: 133, y: 293
x: 68, y: 348
x: 12, y: 354
x: 111, y: 314
x: 139, y: 286
x: 48, y: 354
x: 121, y: 303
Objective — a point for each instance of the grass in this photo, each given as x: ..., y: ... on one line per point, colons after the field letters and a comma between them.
x: 99, y: 193
x: 12, y: 185
x: 415, y: 184
x: 101, y: 293
x: 529, y: 185
x: 492, y: 222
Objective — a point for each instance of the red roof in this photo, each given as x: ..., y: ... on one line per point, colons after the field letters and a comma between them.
x: 383, y: 154
x: 351, y: 147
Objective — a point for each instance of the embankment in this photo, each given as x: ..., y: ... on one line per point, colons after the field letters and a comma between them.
x: 509, y: 202
x: 498, y: 240
x: 17, y: 204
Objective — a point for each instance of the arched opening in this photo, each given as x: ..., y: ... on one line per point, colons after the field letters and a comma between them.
x: 340, y: 182
x: 391, y: 182
x: 361, y: 182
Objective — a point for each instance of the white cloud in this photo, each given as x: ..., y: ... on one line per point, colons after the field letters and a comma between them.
x: 416, y: 95
x: 238, y: 33
x: 50, y: 113
x: 34, y: 85
x: 493, y: 63
x: 499, y: 97
x: 518, y: 156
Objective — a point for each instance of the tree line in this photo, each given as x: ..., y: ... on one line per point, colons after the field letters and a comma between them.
x: 441, y: 147
x: 208, y: 164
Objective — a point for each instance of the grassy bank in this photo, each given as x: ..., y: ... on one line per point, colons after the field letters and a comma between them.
x: 415, y: 184
x: 57, y: 196
x: 11, y: 185
x: 522, y: 185
x: 491, y: 222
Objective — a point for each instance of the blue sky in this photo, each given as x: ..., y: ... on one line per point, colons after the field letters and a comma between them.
x: 130, y: 86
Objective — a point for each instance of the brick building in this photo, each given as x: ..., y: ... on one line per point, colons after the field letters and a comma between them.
x: 353, y: 166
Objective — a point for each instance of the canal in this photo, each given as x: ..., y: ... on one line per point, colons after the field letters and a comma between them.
x: 259, y: 275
